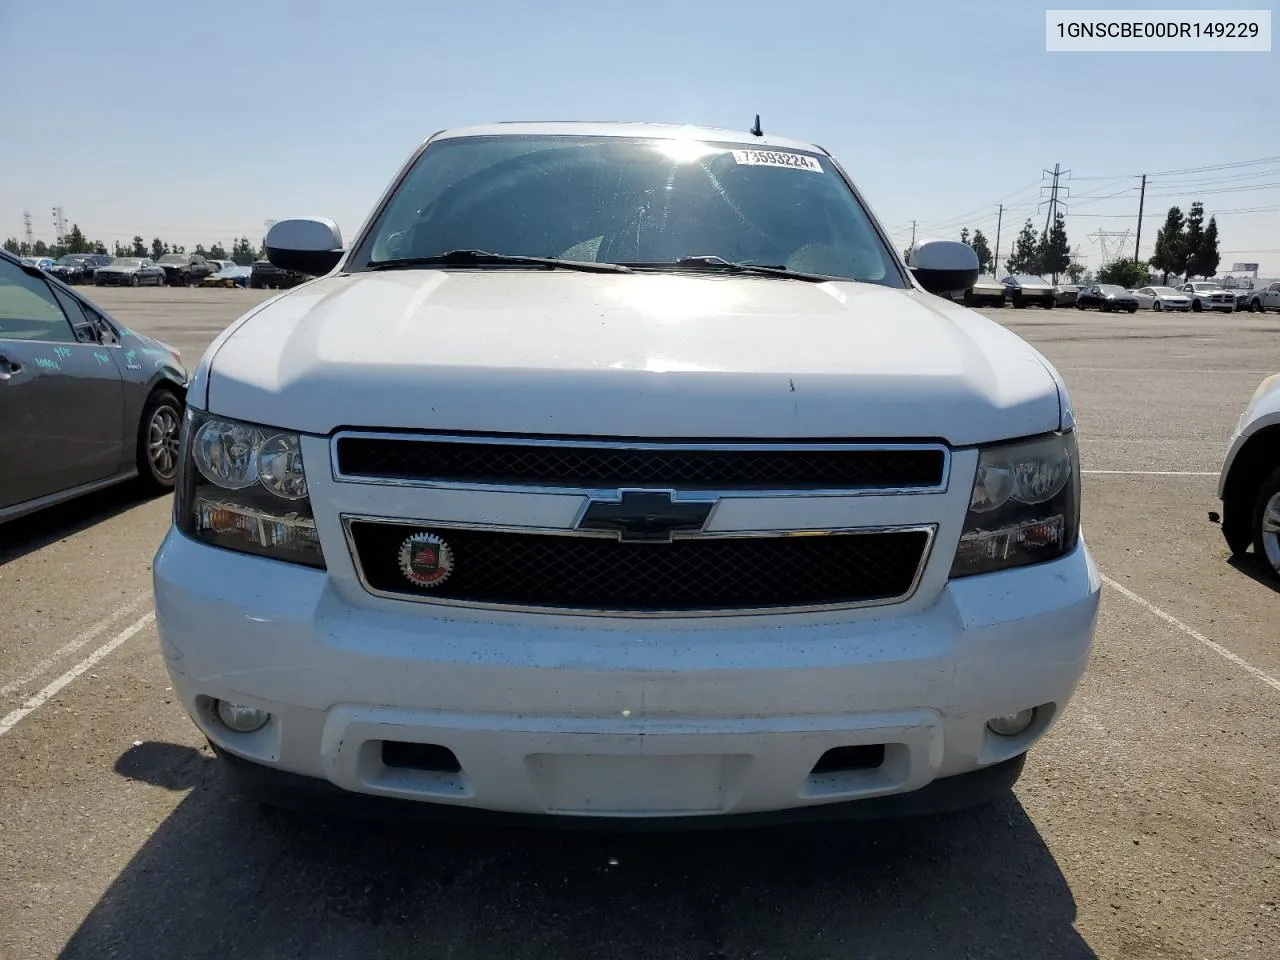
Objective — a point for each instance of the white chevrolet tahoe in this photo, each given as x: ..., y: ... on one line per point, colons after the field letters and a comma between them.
x: 625, y: 471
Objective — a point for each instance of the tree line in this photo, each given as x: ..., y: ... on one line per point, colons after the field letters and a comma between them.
x: 242, y: 252
x: 1186, y: 247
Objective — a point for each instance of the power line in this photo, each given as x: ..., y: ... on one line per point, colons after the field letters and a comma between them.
x: 1217, y: 181
x: 1234, y: 165
x: 1159, y: 216
x: 1208, y: 193
x: 958, y: 220
x: 1219, y: 166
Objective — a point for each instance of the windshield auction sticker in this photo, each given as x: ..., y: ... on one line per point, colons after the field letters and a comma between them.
x: 1143, y: 31
x: 777, y: 158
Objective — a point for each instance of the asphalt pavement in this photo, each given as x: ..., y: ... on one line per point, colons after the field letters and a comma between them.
x: 1146, y: 825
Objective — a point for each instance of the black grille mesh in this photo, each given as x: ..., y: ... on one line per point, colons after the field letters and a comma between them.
x: 594, y: 573
x: 604, y: 466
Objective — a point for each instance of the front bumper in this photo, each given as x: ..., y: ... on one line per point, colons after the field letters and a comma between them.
x: 612, y: 718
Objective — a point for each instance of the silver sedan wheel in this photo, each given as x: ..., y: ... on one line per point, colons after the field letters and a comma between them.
x: 1271, y: 531
x: 162, y: 442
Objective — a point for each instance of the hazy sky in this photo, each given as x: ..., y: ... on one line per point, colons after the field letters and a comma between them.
x: 197, y: 122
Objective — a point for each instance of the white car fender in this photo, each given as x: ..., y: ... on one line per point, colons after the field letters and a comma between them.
x: 1262, y: 411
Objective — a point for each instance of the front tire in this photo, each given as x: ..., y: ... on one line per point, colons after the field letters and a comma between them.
x: 1133, y: 309
x: 134, y: 281
x: 1156, y: 306
x: 1255, y: 306
x: 1266, y: 524
x: 1195, y: 306
x: 158, y: 442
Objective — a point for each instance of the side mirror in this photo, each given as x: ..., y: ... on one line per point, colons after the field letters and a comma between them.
x: 310, y: 245
x: 943, y: 266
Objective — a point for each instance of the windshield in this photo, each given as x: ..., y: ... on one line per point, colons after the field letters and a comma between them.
x: 72, y: 258
x: 1112, y: 289
x: 1166, y: 291
x: 1025, y: 281
x: 645, y: 202
x: 172, y: 258
x: 126, y: 262
x: 1205, y: 286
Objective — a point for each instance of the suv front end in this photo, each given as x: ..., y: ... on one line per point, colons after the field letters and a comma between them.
x: 592, y: 529
x: 502, y: 656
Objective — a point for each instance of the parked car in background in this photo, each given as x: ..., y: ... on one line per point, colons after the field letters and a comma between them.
x: 1209, y: 295
x: 985, y: 292
x: 87, y: 402
x: 231, y: 276
x: 1026, y: 291
x: 1267, y: 298
x: 265, y: 275
x: 1162, y: 298
x: 1106, y: 297
x: 184, y: 269
x: 1249, y: 484
x: 221, y: 264
x: 1064, y: 294
x: 40, y: 263
x: 78, y: 267
x: 129, y: 271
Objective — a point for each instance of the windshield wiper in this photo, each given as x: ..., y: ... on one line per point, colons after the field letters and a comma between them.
x: 483, y: 258
x: 721, y: 265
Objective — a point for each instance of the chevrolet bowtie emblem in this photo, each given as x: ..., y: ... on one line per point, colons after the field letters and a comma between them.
x: 645, y: 515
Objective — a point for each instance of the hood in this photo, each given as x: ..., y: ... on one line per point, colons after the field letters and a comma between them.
x: 639, y: 355
x: 110, y: 268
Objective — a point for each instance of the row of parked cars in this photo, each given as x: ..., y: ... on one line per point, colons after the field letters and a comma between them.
x: 171, y: 270
x: 1023, y: 291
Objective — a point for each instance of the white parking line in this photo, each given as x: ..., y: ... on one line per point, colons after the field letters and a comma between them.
x: 74, y: 645
x: 1217, y: 648
x: 1156, y: 473
x: 37, y: 701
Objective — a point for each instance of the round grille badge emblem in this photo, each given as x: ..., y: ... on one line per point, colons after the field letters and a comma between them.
x: 426, y: 560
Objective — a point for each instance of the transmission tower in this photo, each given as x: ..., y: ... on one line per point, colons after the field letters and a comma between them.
x: 30, y: 235
x: 1112, y: 242
x: 59, y: 224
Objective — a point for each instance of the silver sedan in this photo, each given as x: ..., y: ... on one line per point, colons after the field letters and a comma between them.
x: 1161, y: 298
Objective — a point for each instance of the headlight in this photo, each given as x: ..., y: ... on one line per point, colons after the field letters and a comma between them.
x: 1024, y: 507
x: 242, y: 486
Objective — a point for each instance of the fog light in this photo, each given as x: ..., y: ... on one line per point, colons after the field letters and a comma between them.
x: 241, y: 719
x: 1011, y: 724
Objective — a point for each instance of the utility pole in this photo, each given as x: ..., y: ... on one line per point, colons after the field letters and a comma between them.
x: 1054, y: 203
x: 1141, y: 199
x: 59, y: 224
x: 995, y: 260
x: 1053, y: 198
x: 30, y: 236
x: 913, y: 233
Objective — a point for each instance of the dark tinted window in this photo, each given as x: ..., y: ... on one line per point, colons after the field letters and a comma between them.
x: 28, y: 308
x: 637, y: 201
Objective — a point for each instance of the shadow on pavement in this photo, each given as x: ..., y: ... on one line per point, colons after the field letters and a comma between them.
x: 30, y: 533
x: 1252, y: 566
x: 225, y: 878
